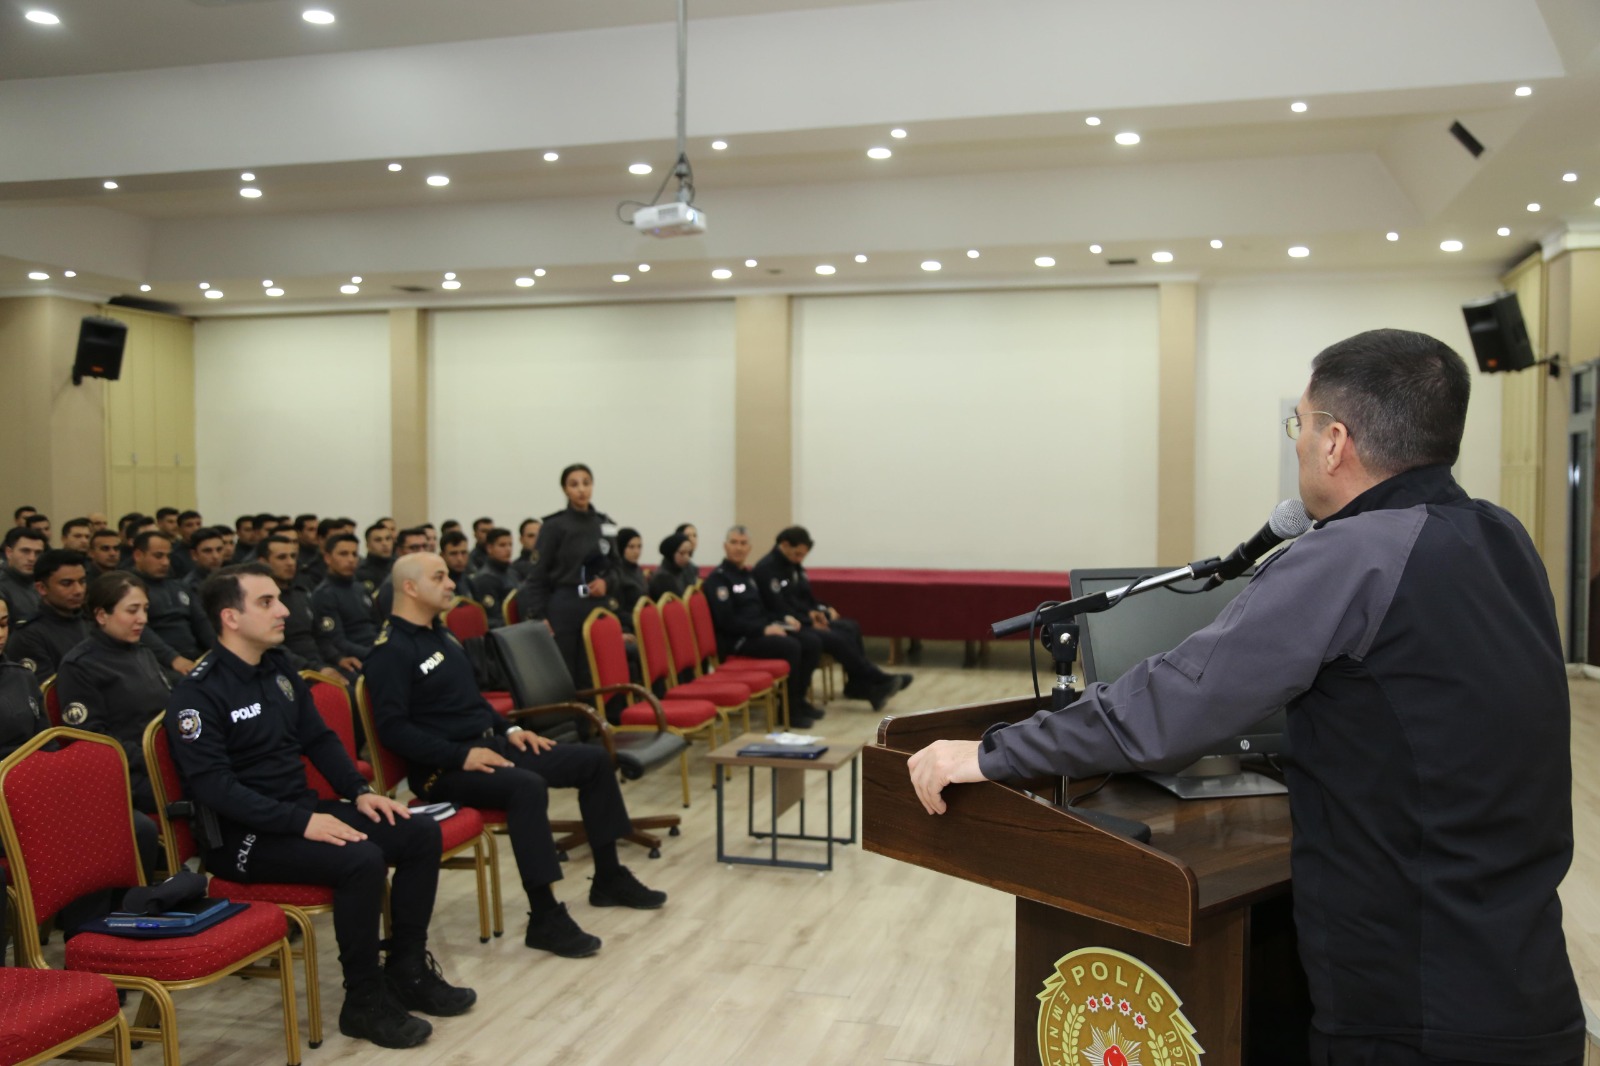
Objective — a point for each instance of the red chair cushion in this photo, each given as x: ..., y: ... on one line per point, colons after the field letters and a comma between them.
x: 40, y: 1009
x: 501, y: 702
x: 460, y: 828
x: 755, y: 680
x: 180, y: 958
x: 680, y: 714
x: 364, y: 768
x: 722, y: 693
x: 776, y: 668
x: 608, y: 654
x: 291, y: 894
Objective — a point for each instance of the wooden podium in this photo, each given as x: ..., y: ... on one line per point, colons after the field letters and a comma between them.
x: 1204, y: 907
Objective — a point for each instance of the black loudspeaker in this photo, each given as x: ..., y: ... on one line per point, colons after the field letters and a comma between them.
x: 1499, y: 336
x: 100, y: 343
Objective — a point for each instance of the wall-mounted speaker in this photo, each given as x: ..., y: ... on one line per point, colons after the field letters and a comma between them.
x: 1499, y: 335
x: 100, y: 344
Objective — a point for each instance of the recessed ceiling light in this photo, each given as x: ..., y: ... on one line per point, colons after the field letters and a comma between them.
x: 524, y: 283
x: 349, y: 290
x: 1597, y: 201
x: 1128, y: 137
x: 274, y: 292
x: 247, y: 176
x: 1044, y: 261
x: 879, y: 153
x: 43, y: 18
x: 1092, y: 120
x: 932, y: 264
x: 451, y: 285
x: 1533, y: 207
x: 204, y: 285
x: 639, y: 168
x: 450, y: 275
x: 1216, y: 243
x: 318, y: 17
x: 108, y: 185
x: 1095, y: 249
x: 266, y: 283
x: 551, y: 157
x: 861, y: 258
x: 824, y: 269
x: 396, y: 168
x: 749, y: 262
x: 38, y: 275
x: 619, y: 277
x: 719, y: 146
x: 644, y: 268
x: 1569, y: 176
x: 438, y: 180
x: 722, y: 274
x: 1391, y: 236
x: 1524, y: 90
x: 1298, y: 107
x: 897, y: 133
x: 1503, y: 231
x: 69, y: 273
x: 1449, y: 246
x: 356, y: 280
x: 144, y: 288
x: 1299, y: 251
x: 1161, y: 257
x: 214, y: 294
x: 973, y: 253
x: 539, y: 273
x: 250, y: 192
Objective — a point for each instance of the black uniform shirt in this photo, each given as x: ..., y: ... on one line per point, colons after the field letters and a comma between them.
x: 44, y: 640
x: 18, y: 591
x: 785, y: 586
x: 177, y: 624
x: 477, y: 559
x: 110, y: 686
x: 737, y: 610
x: 311, y: 566
x: 237, y: 733
x: 182, y: 560
x: 300, y: 629
x: 574, y: 548
x: 669, y: 577
x: 374, y: 569
x: 490, y: 587
x: 524, y: 563
x: 425, y: 696
x: 22, y: 714
x: 345, y: 621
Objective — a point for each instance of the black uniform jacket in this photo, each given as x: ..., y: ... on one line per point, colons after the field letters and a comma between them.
x: 177, y: 626
x: 425, y: 697
x: 345, y: 620
x: 22, y: 715
x: 300, y: 629
x: 785, y: 587
x: 19, y: 593
x: 574, y: 548
x: 373, y: 570
x: 237, y: 732
x: 110, y: 686
x: 44, y: 640
x: 737, y: 610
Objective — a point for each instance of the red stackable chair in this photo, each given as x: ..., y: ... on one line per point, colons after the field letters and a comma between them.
x: 466, y: 619
x: 687, y: 662
x: 332, y: 697
x: 52, y: 699
x: 705, y: 636
x: 45, y: 1014
x: 298, y: 902
x: 655, y: 662
x: 508, y: 608
x: 68, y: 832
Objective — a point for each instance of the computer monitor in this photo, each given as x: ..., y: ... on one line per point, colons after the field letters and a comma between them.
x: 1113, y: 641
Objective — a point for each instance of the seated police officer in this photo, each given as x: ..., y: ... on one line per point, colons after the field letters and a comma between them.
x: 75, y: 535
x: 673, y: 575
x: 408, y: 541
x: 457, y: 558
x: 528, y: 540
x: 380, y: 555
x: 787, y: 591
x: 745, y: 626
x: 280, y: 553
x: 105, y: 552
x: 238, y: 726
x: 430, y: 712
x: 206, y: 553
x: 23, y: 546
x: 42, y: 641
x: 178, y: 631
x: 40, y: 524
x: 495, y: 580
x: 167, y: 525
x: 346, y: 623
x: 246, y: 536
x: 480, y: 547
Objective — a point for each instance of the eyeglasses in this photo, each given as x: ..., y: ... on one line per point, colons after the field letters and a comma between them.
x: 1291, y: 425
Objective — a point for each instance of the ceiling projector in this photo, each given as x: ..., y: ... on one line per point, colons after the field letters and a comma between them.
x: 670, y: 220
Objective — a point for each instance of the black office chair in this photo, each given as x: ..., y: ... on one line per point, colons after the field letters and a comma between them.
x: 549, y: 703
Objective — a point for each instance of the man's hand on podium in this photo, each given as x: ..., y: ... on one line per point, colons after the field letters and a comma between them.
x: 944, y: 762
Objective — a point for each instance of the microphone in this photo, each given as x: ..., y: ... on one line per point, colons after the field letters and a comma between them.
x: 1289, y: 520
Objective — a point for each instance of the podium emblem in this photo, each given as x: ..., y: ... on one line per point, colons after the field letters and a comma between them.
x: 1103, y: 1008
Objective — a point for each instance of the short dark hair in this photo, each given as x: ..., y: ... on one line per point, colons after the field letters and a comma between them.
x: 107, y: 590
x: 795, y: 537
x: 36, y: 519
x: 186, y: 515
x: 522, y: 527
x: 57, y: 559
x: 263, y: 518
x: 129, y: 519
x: 351, y: 522
x: 277, y: 538
x: 302, y: 519
x: 476, y: 522
x: 374, y: 528
x: 573, y: 469
x: 16, y: 533
x: 20, y: 511
x: 452, y: 538
x: 449, y: 524
x: 686, y: 525
x: 165, y: 512
x: 341, y: 538
x: 409, y: 532
x: 326, y: 526
x: 495, y: 534
x: 1402, y: 395
x: 222, y: 591
x: 141, y: 543
x: 102, y: 534
x: 203, y: 534
x: 76, y: 523
x: 242, y: 521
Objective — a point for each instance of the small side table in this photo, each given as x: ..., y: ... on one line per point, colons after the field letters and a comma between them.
x: 788, y: 790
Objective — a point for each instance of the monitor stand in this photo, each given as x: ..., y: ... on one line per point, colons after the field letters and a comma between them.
x: 1216, y: 777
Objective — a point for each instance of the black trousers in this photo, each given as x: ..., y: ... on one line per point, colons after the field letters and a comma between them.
x: 355, y: 871
x: 523, y: 792
x: 802, y: 651
x: 842, y: 640
x: 567, y: 611
x: 1365, y: 1051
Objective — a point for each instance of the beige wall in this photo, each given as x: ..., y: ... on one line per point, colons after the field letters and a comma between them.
x: 763, y: 477
x: 149, y: 452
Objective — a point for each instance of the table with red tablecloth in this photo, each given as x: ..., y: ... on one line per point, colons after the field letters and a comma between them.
x: 934, y: 604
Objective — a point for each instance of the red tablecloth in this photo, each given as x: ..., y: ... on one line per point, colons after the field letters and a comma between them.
x: 934, y: 604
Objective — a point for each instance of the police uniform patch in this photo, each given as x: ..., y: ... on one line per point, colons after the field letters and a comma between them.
x: 189, y: 724
x: 370, y: 585
x: 777, y: 584
x: 722, y: 593
x: 366, y: 601
x: 488, y: 601
x: 30, y: 665
x: 285, y: 688
x: 611, y: 602
x: 183, y: 597
x: 604, y: 546
x: 325, y: 623
x: 75, y: 714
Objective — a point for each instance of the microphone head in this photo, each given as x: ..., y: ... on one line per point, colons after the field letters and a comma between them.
x: 1289, y: 519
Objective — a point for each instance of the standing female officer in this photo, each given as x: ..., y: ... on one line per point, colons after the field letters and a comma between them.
x: 577, y: 560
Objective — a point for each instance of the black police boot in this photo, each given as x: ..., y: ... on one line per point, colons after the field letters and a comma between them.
x: 622, y: 889
x: 418, y: 984
x: 904, y: 680
x: 556, y: 932
x: 800, y: 717
x: 371, y: 1012
x: 883, y: 691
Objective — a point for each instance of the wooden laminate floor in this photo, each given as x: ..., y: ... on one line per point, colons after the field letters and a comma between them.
x: 876, y: 962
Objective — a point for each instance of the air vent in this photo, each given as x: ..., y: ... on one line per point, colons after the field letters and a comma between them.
x: 230, y: 3
x: 414, y: 288
x: 1468, y: 141
x: 144, y: 303
x: 1122, y: 262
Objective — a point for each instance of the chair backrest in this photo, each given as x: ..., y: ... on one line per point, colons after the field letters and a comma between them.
x: 388, y: 768
x: 67, y: 821
x: 177, y: 836
x: 655, y: 660
x: 534, y: 665
x: 333, y: 705
x: 680, y: 637
x: 608, y: 655
x: 705, y: 630
x: 52, y: 699
x: 466, y: 619
x: 509, y: 608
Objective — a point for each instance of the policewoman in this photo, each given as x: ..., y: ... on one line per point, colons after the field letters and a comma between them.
x: 112, y: 683
x: 576, y: 567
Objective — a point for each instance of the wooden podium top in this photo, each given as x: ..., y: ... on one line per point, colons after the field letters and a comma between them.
x: 1204, y: 856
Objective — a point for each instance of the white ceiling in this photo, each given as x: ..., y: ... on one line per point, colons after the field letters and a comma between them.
x: 993, y: 97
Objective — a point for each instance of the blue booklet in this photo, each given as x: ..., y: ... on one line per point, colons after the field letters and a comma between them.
x: 782, y: 751
x: 196, y: 917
